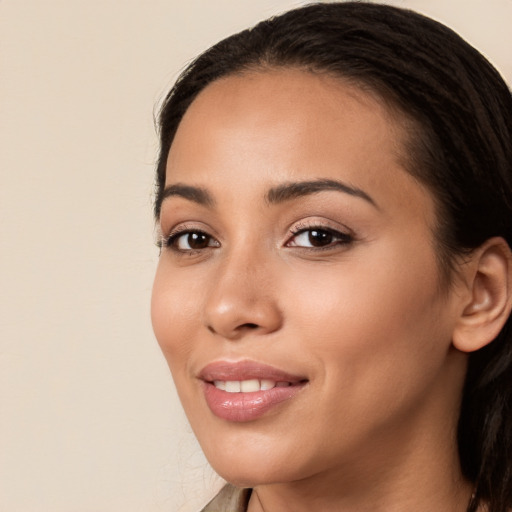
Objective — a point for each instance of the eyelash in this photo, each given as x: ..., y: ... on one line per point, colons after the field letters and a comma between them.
x: 339, y: 237
x: 171, y: 241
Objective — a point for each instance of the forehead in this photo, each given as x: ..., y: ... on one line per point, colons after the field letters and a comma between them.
x: 264, y: 128
x: 296, y: 99
x: 286, y: 106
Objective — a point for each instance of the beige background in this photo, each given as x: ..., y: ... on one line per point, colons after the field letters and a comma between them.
x: 89, y: 420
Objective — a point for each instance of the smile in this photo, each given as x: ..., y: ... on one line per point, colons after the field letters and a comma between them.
x: 248, y: 386
x: 245, y: 391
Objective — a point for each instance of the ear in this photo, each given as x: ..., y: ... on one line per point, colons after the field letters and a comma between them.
x: 487, y: 305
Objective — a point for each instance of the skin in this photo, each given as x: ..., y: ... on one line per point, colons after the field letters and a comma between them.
x: 366, y: 321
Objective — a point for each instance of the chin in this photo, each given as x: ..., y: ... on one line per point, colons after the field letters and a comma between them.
x: 255, y: 461
x: 251, y: 474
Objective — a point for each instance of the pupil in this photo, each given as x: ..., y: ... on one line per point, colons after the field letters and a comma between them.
x: 197, y: 240
x: 319, y: 238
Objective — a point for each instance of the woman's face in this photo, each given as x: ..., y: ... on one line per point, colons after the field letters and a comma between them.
x: 299, y: 260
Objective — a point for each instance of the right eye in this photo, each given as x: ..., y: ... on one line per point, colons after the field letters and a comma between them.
x: 188, y: 241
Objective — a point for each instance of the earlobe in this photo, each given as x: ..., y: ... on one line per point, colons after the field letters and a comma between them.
x: 489, y: 280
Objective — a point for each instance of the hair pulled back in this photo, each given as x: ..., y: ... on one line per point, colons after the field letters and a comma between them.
x: 459, y: 147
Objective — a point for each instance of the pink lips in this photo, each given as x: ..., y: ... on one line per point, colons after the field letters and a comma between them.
x: 246, y: 406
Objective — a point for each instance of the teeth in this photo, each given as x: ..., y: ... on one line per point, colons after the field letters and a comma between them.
x: 248, y: 386
x: 233, y: 386
x: 220, y: 384
x: 267, y: 384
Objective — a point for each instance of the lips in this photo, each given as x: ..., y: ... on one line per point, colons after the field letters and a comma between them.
x: 245, y: 391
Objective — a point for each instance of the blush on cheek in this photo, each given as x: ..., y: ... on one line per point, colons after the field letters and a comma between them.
x: 169, y: 311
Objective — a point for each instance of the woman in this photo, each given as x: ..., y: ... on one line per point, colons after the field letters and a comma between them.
x: 334, y: 287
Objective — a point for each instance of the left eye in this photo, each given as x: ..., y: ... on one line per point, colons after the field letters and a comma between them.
x: 316, y: 237
x: 191, y: 241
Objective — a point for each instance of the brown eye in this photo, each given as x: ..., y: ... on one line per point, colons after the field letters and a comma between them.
x: 191, y: 241
x: 318, y: 238
x: 196, y: 240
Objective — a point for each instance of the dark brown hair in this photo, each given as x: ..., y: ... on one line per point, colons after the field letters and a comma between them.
x: 461, y: 150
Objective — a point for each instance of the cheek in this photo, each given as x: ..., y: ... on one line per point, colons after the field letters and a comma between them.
x: 373, y: 315
x: 174, y: 315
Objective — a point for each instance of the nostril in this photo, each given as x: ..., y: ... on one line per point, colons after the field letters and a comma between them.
x: 241, y: 327
x: 250, y: 326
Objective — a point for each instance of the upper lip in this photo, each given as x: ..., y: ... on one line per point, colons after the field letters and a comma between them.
x: 245, y: 370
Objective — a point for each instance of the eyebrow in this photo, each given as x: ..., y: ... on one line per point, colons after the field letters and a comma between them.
x: 276, y: 195
x: 196, y: 194
x: 293, y: 190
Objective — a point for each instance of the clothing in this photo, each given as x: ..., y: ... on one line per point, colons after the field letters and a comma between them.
x: 229, y: 499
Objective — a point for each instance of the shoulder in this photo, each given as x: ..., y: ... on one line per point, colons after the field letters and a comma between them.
x: 229, y: 499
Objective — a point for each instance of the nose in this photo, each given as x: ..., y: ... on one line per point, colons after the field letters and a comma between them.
x: 242, y: 300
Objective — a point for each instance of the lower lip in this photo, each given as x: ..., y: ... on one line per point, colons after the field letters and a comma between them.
x: 243, y: 407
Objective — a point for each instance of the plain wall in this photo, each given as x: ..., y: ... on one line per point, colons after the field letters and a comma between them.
x: 89, y: 419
